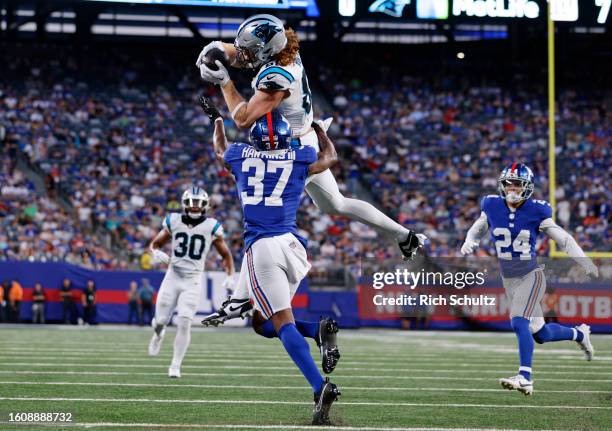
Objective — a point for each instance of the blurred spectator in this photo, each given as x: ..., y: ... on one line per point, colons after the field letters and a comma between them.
x: 145, y: 294
x: 551, y: 301
x: 69, y: 310
x: 15, y: 298
x: 134, y: 309
x: 3, y: 291
x: 88, y: 300
x: 38, y: 304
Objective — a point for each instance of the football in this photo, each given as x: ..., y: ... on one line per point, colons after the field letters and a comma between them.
x: 213, y: 55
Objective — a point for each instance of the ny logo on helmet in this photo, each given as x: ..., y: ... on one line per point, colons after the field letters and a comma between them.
x: 389, y: 7
x: 265, y: 32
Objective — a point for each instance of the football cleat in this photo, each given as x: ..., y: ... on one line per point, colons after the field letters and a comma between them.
x: 326, y: 340
x: 411, y: 244
x: 230, y: 309
x: 585, y: 344
x: 519, y: 383
x: 156, y: 341
x: 174, y: 372
x: 323, y: 401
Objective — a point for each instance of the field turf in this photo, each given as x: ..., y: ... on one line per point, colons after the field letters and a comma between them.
x: 233, y: 379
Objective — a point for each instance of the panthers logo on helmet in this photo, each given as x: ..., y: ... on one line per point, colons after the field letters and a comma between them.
x: 265, y: 32
x: 395, y: 8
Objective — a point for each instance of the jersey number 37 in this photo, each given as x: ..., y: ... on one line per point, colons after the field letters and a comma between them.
x: 256, y: 181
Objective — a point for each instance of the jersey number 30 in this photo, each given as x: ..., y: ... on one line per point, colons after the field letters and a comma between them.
x: 189, y: 245
x: 520, y: 245
x: 256, y: 181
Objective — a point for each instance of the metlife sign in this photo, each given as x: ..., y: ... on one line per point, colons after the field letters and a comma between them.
x: 497, y: 8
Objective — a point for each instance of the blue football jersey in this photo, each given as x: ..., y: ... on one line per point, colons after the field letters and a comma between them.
x: 514, y: 232
x: 269, y: 184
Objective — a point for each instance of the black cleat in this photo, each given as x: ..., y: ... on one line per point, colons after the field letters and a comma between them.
x: 230, y: 309
x: 323, y: 401
x: 326, y: 340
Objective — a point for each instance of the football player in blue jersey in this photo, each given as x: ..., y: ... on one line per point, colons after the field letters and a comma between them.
x: 270, y: 175
x: 515, y: 220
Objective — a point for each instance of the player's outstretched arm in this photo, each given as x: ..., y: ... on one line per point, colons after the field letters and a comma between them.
x: 327, y: 156
x: 227, y: 260
x: 219, y: 139
x: 161, y: 239
x: 474, y: 234
x: 246, y: 113
x: 569, y: 245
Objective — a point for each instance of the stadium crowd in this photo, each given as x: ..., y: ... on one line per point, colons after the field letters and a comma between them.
x: 120, y: 141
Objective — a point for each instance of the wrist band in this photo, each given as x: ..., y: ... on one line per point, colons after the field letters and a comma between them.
x: 237, y: 108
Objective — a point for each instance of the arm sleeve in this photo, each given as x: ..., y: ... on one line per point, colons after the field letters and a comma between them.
x: 217, y: 231
x: 167, y: 224
x: 565, y: 241
x: 478, y: 229
x: 274, y: 78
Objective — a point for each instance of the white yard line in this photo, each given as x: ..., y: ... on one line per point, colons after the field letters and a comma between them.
x: 308, y: 403
x: 277, y: 375
x: 301, y: 388
x: 257, y: 427
x: 274, y: 359
x: 289, y: 366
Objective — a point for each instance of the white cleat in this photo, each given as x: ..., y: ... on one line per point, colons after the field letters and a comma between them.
x: 174, y: 373
x: 585, y: 344
x: 155, y: 343
x: 518, y: 383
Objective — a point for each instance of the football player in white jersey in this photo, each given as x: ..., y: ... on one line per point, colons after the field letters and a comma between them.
x: 281, y: 83
x: 191, y: 234
x: 263, y: 43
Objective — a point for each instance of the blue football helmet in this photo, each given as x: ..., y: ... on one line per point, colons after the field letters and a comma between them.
x: 516, y: 174
x: 271, y: 132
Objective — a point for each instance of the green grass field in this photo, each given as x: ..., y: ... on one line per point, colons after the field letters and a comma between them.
x: 233, y: 379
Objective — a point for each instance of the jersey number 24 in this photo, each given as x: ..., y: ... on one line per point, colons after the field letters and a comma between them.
x: 520, y: 244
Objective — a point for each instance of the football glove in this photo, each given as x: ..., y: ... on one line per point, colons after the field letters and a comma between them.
x: 228, y: 284
x: 159, y: 256
x: 209, y: 108
x: 216, y: 44
x: 324, y: 124
x: 216, y: 77
x: 468, y: 247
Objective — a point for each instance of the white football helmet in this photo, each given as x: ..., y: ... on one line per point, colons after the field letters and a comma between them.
x: 259, y: 38
x: 194, y: 202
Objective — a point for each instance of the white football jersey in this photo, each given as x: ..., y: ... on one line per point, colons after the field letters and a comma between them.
x: 190, y: 244
x: 297, y: 108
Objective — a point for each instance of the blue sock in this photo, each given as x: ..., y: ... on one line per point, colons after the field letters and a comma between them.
x: 555, y: 332
x: 267, y: 330
x: 307, y: 329
x: 297, y: 348
x: 525, y: 344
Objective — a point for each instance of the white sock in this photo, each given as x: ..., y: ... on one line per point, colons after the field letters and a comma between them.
x: 181, y: 341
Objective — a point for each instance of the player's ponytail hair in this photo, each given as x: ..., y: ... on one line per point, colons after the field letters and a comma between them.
x: 291, y: 50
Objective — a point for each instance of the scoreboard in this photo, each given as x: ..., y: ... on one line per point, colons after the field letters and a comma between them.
x: 586, y: 12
